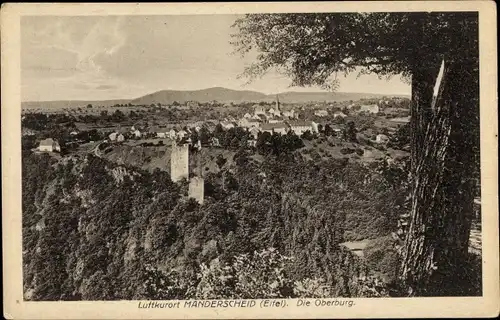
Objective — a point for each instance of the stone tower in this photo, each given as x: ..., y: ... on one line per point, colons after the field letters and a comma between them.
x: 197, y: 183
x: 179, y: 161
x: 197, y: 189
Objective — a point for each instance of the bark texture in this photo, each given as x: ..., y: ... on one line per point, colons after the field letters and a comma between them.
x: 422, y: 89
x: 436, y: 245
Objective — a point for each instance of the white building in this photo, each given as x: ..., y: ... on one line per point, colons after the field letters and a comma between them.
x: 314, y: 126
x: 120, y: 138
x: 275, y: 121
x: 248, y: 123
x: 181, y: 134
x: 227, y: 125
x: 280, y: 128
x: 137, y: 133
x: 289, y: 114
x: 337, y: 114
x: 381, y: 138
x: 254, y: 132
x: 215, y: 142
x: 321, y: 113
x: 372, y: 108
x: 172, y: 134
x: 112, y: 136
x: 299, y: 127
x: 49, y: 145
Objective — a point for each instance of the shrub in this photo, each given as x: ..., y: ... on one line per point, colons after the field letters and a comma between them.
x: 347, y: 150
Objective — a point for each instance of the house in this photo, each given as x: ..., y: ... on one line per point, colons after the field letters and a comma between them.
x: 274, y: 121
x: 248, y: 123
x: 210, y: 125
x: 196, y: 126
x: 112, y: 136
x: 192, y: 104
x: 181, y: 134
x: 289, y: 114
x: 321, y: 113
x: 381, y: 138
x: 371, y: 108
x: 227, y: 125
x: 247, y: 115
x: 254, y: 132
x: 315, y: 127
x: 120, y: 138
x: 299, y: 127
x: 49, y: 145
x: 262, y: 117
x: 337, y: 114
x: 137, y: 133
x: 73, y: 133
x: 215, y: 142
x: 252, y: 143
x: 337, y: 130
x: 280, y: 128
x: 172, y: 134
x: 256, y: 116
x: 27, y: 132
x: 402, y: 120
x: 259, y: 110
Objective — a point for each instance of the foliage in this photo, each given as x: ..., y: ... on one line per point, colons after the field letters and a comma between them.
x: 400, y: 139
x: 105, y: 233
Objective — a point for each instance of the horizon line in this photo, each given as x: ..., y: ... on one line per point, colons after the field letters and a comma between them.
x: 267, y: 94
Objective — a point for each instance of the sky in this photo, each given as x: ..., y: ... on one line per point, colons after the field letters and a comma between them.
x: 122, y: 57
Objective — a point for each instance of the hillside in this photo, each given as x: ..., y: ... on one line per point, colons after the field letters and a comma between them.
x: 301, y: 97
x: 95, y: 230
x: 206, y: 95
x: 227, y: 95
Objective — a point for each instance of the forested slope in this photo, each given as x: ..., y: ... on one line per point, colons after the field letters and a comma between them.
x: 94, y: 230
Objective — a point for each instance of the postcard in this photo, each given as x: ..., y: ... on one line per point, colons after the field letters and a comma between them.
x: 250, y: 160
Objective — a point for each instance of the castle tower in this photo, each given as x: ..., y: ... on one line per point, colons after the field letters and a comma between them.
x: 197, y: 189
x: 197, y: 183
x: 179, y: 162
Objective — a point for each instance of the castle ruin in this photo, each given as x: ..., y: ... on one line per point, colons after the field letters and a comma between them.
x: 179, y: 162
x: 197, y: 189
x: 179, y: 169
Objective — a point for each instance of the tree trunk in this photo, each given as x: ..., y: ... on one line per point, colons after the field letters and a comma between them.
x: 422, y: 89
x: 436, y: 245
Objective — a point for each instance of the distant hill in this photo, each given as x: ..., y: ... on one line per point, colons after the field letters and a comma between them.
x: 206, y: 95
x: 228, y: 95
x: 298, y: 97
x: 60, y: 104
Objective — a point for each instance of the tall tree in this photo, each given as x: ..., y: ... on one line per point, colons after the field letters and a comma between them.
x: 313, y: 48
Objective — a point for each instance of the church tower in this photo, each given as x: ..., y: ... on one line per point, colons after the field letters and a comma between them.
x: 278, y: 103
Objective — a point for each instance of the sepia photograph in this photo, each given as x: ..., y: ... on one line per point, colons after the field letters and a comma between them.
x: 240, y: 160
